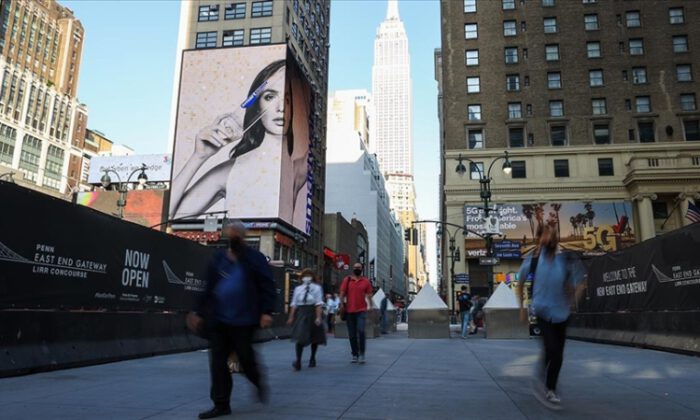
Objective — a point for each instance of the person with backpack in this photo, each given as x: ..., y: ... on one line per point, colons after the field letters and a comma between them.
x: 355, y: 295
x: 465, y: 305
x: 556, y: 278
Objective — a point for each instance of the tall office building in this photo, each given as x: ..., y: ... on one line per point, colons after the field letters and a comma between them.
x: 42, y: 123
x: 596, y: 103
x: 301, y: 25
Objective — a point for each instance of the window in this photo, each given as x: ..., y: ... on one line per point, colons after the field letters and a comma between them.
x: 475, y: 138
x: 595, y: 78
x: 692, y: 130
x: 547, y: 3
x: 630, y: 135
x: 261, y: 8
x: 633, y: 19
x: 469, y: 6
x: 605, y: 167
x: 512, y: 82
x: 234, y: 11
x: 518, y: 169
x: 473, y: 85
x: 471, y: 57
x: 561, y: 168
x: 474, y: 112
x: 558, y: 135
x: 599, y: 106
x: 680, y: 44
x: 593, y: 49
x: 556, y: 108
x: 659, y: 209
x: 233, y: 38
x: 528, y: 108
x: 551, y: 52
x: 676, y: 16
x: 511, y: 55
x: 639, y: 75
x: 471, y: 31
x: 684, y: 73
x: 636, y: 47
x: 516, y: 137
x: 646, y: 132
x: 601, y: 133
x: 643, y: 104
x: 624, y: 75
x: 589, y: 1
x: 515, y: 110
x: 475, y: 170
x: 510, y: 28
x: 208, y: 13
x: 260, y: 36
x: 508, y: 4
x: 206, y: 40
x: 526, y: 81
x: 591, y: 22
x: 688, y: 102
x: 550, y: 25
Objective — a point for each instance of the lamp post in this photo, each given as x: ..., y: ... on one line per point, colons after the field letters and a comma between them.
x: 122, y: 186
x: 485, y: 194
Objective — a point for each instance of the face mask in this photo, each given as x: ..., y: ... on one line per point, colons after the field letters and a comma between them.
x: 306, y: 280
x: 357, y: 271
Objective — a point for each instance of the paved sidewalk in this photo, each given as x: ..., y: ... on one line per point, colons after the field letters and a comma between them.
x: 403, y: 379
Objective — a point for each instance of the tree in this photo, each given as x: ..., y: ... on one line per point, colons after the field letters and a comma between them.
x: 528, y: 212
x: 590, y: 214
x: 557, y: 207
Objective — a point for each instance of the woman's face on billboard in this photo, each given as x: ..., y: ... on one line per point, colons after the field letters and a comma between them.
x: 272, y: 104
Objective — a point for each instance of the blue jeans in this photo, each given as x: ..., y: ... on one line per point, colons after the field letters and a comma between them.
x: 466, y: 316
x: 356, y: 332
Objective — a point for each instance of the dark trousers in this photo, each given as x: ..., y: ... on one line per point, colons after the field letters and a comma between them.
x: 226, y: 339
x: 356, y: 332
x: 553, y: 339
x: 330, y: 320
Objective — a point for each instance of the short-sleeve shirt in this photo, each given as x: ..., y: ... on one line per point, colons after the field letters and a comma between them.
x: 307, y: 294
x: 356, y: 292
x: 465, y: 302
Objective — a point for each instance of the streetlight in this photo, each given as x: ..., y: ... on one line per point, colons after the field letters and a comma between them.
x: 485, y: 194
x: 122, y: 186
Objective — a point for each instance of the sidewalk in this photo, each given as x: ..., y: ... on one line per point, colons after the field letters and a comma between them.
x: 403, y: 379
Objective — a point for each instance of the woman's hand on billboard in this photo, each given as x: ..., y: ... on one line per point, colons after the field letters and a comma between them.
x: 212, y: 137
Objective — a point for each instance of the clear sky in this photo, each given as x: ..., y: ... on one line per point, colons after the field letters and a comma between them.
x: 126, y: 77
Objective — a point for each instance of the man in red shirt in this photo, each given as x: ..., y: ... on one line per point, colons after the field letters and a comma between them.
x: 355, y: 293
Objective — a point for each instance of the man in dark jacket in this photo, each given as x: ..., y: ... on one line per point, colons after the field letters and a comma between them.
x: 239, y: 298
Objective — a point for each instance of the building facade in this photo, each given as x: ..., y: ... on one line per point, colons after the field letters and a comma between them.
x: 595, y: 102
x: 359, y: 189
x: 42, y: 123
x: 303, y: 26
x: 342, y: 239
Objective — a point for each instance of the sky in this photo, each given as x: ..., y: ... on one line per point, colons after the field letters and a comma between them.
x: 128, y: 63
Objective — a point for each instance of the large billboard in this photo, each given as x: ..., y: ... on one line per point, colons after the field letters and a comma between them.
x: 158, y: 167
x: 144, y: 207
x: 590, y: 227
x: 242, y: 136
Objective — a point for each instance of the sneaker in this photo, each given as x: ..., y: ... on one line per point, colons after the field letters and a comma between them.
x: 354, y: 359
x: 312, y: 363
x: 362, y: 359
x: 544, y: 396
x: 296, y: 366
x: 552, y: 397
x: 215, y: 412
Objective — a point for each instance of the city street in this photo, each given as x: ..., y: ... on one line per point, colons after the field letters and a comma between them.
x: 404, y: 378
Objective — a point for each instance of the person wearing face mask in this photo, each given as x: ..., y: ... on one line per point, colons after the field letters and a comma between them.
x: 557, y: 279
x: 306, y: 316
x: 239, y: 298
x: 355, y: 293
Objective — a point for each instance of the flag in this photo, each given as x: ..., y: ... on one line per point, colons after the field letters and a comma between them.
x: 693, y: 213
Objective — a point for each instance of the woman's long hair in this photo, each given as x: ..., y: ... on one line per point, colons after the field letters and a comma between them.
x: 253, y: 138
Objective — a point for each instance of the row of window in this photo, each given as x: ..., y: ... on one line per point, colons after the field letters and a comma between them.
x: 210, y: 13
x: 233, y: 38
x: 561, y: 168
x: 645, y: 132
x: 676, y: 15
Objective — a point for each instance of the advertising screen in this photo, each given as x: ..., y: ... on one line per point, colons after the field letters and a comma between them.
x: 591, y: 227
x: 242, y: 136
x: 158, y: 167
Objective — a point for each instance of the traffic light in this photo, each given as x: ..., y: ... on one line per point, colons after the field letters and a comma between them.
x: 414, y: 236
x: 407, y: 234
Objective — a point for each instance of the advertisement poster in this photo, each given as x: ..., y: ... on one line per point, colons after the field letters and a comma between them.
x: 158, y: 168
x: 243, y: 136
x: 591, y: 228
x: 144, y: 207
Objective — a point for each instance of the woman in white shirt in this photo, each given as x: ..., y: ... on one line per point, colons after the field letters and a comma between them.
x: 306, y: 316
x: 332, y: 303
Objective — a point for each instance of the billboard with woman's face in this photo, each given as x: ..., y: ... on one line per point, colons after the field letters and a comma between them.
x: 242, y: 136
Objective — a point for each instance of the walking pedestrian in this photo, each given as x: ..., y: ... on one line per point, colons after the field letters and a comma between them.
x: 332, y: 303
x: 239, y: 298
x: 384, y: 322
x: 465, y: 305
x: 355, y: 295
x: 477, y: 313
x: 306, y: 316
x: 557, y: 279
